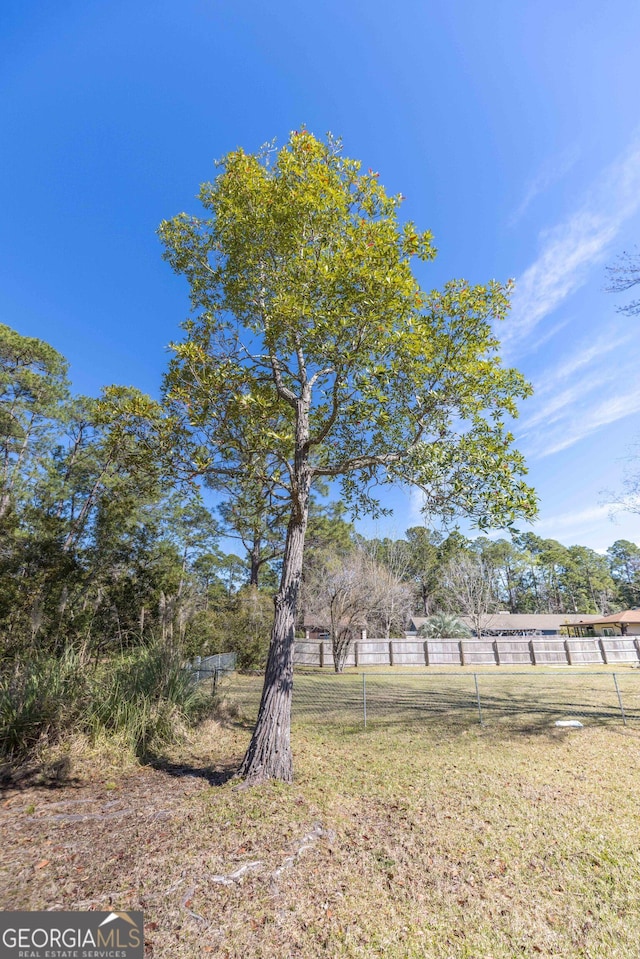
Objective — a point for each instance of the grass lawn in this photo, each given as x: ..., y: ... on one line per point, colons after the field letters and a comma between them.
x: 423, y: 835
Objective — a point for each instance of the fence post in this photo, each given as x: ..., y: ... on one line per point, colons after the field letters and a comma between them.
x: 624, y: 718
x: 355, y: 654
x: 426, y: 652
x: 364, y: 698
x: 461, y: 649
x: 475, y: 677
x: 391, y: 652
x: 567, y: 650
x: 321, y: 650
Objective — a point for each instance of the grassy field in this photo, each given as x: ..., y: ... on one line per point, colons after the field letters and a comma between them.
x: 423, y: 835
x: 533, y: 697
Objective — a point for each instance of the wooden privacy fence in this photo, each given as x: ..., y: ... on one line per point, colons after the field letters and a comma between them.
x: 494, y: 651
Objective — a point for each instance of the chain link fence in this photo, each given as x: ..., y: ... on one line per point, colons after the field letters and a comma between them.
x: 211, y: 667
x: 527, y: 698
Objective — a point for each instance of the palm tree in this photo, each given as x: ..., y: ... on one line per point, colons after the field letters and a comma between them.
x: 444, y: 626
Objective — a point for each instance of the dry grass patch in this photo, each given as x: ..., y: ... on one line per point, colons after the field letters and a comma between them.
x: 431, y: 839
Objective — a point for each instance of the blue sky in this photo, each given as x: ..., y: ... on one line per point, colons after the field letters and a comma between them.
x: 512, y: 128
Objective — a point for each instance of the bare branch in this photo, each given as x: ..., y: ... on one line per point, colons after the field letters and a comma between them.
x: 316, y: 376
x: 333, y: 415
x: 370, y: 460
x: 283, y: 390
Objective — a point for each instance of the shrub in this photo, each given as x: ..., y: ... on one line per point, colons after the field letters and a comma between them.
x: 39, y: 700
x: 444, y: 626
x: 243, y: 627
x: 144, y: 696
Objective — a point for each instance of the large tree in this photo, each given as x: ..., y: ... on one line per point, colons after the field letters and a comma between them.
x: 424, y: 564
x: 312, y: 346
x: 624, y: 564
x: 468, y: 582
x: 33, y: 393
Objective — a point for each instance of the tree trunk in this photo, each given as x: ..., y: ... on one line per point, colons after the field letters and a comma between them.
x: 255, y: 561
x: 8, y: 482
x: 424, y: 597
x: 76, y: 526
x: 269, y: 753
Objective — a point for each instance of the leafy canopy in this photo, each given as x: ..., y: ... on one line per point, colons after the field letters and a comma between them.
x: 311, y: 338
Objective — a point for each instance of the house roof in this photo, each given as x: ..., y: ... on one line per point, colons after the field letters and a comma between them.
x: 626, y: 616
x: 519, y: 621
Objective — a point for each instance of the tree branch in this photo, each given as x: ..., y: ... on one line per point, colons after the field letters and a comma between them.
x: 362, y: 462
x: 316, y: 376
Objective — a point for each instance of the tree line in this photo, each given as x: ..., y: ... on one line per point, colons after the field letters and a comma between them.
x: 102, y: 551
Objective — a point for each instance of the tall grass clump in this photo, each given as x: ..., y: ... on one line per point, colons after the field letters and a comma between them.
x: 146, y: 697
x: 40, y: 700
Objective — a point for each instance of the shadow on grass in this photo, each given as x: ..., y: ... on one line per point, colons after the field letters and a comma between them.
x: 440, y: 729
x: 505, y: 714
x: 216, y: 775
x: 46, y: 775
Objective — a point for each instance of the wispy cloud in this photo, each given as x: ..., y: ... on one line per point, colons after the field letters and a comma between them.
x: 559, y: 406
x: 571, y: 415
x: 543, y: 336
x: 601, y: 414
x: 598, y: 524
x: 592, y: 526
x: 579, y: 519
x: 551, y: 172
x: 591, y: 352
x: 570, y: 249
x: 583, y: 392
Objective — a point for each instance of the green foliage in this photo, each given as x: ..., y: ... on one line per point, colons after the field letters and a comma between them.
x: 329, y: 534
x: 303, y: 293
x: 624, y: 562
x: 586, y: 580
x: 39, y: 700
x: 241, y: 625
x: 558, y: 579
x: 444, y: 626
x: 144, y: 697
x: 33, y: 390
x: 256, y: 519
